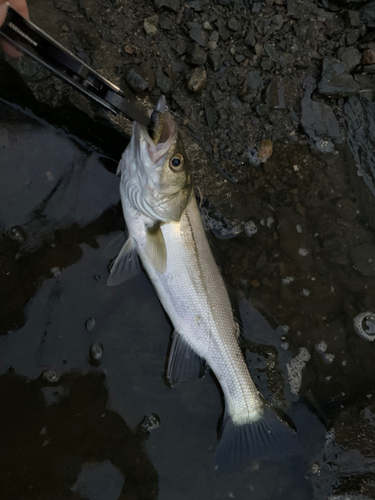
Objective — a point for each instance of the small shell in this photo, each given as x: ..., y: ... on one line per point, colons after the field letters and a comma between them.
x: 364, y: 325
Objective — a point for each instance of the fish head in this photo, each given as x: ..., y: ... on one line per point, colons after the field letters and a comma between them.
x: 155, y: 171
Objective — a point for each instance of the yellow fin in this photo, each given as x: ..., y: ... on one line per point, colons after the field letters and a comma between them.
x: 156, y: 250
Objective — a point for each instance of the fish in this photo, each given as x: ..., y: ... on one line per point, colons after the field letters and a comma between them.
x: 166, y: 235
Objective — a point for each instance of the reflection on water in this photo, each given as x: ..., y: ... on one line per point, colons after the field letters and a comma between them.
x: 70, y: 427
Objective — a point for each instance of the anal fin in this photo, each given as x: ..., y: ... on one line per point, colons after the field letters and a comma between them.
x: 126, y: 265
x: 183, y: 362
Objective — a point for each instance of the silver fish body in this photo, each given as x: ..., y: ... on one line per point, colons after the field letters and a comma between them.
x: 167, y: 234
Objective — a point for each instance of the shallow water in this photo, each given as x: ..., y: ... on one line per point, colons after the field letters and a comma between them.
x: 70, y: 427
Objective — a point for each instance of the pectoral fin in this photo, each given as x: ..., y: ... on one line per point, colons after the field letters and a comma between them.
x: 183, y: 362
x: 155, y: 249
x: 126, y: 265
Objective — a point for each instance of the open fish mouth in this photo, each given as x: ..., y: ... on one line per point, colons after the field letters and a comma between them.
x: 164, y: 132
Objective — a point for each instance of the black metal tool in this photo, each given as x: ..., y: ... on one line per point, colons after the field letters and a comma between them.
x: 28, y: 38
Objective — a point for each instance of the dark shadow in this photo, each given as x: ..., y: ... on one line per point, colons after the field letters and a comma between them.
x: 48, y: 432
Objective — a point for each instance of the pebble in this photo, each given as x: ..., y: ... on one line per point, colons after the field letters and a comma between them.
x: 16, y: 233
x: 197, y: 56
x: 214, y: 58
x: 136, y: 78
x: 150, y: 422
x: 265, y: 150
x: 169, y: 4
x: 250, y: 38
x: 255, y: 283
x: 233, y: 24
x: 69, y: 6
x: 351, y: 57
x: 90, y: 324
x: 278, y: 93
x: 150, y: 25
x: 96, y: 352
x: 368, y: 56
x: 163, y: 82
x: 197, y: 80
x: 199, y: 36
x: 51, y: 376
x: 254, y: 80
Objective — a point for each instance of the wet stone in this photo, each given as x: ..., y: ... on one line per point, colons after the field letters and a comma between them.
x: 254, y: 80
x: 51, y: 376
x: 265, y: 150
x: 150, y: 25
x: 214, y: 58
x: 150, y: 422
x: 278, y: 94
x: 173, y: 5
x: 363, y: 259
x: 351, y: 57
x: 163, y: 82
x: 336, y: 81
x: 197, y: 56
x: 96, y: 353
x: 197, y: 80
x: 17, y: 233
x: 136, y: 78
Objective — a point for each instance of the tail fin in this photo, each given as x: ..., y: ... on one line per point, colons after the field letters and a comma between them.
x: 268, y: 437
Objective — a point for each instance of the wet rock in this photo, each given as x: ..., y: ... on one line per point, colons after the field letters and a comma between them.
x: 207, y: 26
x: 352, y: 18
x: 223, y: 32
x: 199, y: 36
x: 51, y: 376
x: 195, y: 5
x: 169, y: 4
x: 336, y: 81
x: 96, y: 353
x: 317, y: 119
x: 359, y: 116
x: 250, y: 38
x: 294, y: 237
x: 254, y: 80
x: 197, y: 80
x: 271, y: 52
x: 210, y: 115
x: 363, y: 259
x: 163, y: 82
x: 278, y: 94
x: 346, y: 209
x: 197, y: 56
x: 150, y: 422
x: 368, y: 56
x: 351, y: 57
x: 150, y: 25
x: 69, y: 6
x: 137, y: 79
x: 17, y: 233
x: 214, y: 58
x: 265, y: 150
x: 233, y: 24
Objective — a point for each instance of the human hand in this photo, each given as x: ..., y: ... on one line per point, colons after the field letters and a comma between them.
x: 21, y: 7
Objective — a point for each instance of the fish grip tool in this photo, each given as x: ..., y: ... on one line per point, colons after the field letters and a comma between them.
x: 31, y: 40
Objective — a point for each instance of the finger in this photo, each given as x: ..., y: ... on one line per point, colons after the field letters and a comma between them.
x: 20, y: 6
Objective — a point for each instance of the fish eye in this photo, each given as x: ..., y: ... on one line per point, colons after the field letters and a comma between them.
x: 176, y: 163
